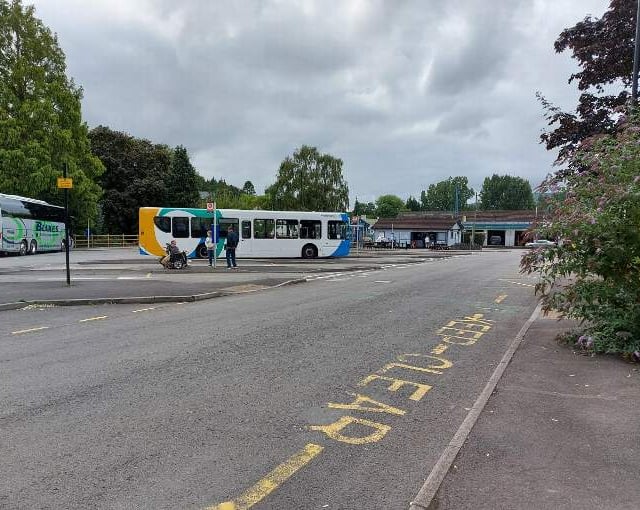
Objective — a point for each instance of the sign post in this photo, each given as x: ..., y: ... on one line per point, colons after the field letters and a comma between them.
x: 211, y: 207
x: 66, y: 184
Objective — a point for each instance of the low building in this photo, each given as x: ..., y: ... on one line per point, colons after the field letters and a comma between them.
x: 419, y: 230
x: 437, y: 228
x: 501, y: 228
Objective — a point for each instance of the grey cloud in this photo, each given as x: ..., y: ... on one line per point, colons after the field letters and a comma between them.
x: 385, y: 85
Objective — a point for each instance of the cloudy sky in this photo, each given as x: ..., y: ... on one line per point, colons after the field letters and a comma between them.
x: 405, y: 92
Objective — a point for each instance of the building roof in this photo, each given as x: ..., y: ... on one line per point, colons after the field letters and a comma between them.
x: 443, y: 220
x: 525, y: 216
x: 416, y: 223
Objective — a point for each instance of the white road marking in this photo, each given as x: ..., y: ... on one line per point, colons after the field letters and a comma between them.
x: 143, y: 309
x: 94, y: 318
x: 20, y: 332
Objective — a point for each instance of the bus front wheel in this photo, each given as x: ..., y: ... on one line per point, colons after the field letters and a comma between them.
x: 23, y: 248
x: 33, y: 248
x: 201, y: 251
x: 309, y: 251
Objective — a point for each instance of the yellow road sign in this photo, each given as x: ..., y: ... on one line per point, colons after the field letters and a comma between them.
x: 65, y: 182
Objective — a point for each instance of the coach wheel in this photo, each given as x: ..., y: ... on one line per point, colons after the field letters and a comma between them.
x: 23, y: 248
x: 33, y: 248
x: 309, y: 251
x: 201, y: 251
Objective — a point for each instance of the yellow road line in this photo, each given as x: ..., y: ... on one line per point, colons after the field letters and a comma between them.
x: 143, y: 309
x: 500, y: 298
x: 272, y: 481
x: 29, y: 330
x: 100, y: 317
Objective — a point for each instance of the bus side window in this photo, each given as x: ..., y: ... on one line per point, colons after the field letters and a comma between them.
x: 335, y: 230
x: 246, y: 229
x: 163, y: 223
x: 310, y: 229
x: 287, y: 229
x: 180, y: 227
x: 199, y: 227
x: 263, y: 229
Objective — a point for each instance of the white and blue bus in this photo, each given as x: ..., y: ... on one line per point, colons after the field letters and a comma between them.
x: 262, y: 234
x: 28, y: 226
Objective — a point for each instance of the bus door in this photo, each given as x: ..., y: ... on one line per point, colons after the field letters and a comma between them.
x: 223, y: 228
x: 245, y: 245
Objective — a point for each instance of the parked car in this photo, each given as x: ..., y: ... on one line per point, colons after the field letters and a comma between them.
x: 540, y: 243
x: 495, y: 240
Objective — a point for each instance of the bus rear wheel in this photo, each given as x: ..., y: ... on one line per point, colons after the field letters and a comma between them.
x: 309, y: 251
x: 23, y: 248
x: 33, y: 249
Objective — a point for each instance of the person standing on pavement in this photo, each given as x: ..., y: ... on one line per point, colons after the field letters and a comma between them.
x: 210, y: 245
x: 232, y: 243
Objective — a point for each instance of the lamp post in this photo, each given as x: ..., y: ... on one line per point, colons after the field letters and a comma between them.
x: 473, y: 228
x: 636, y: 57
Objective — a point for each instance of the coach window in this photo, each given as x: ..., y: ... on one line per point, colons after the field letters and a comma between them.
x: 287, y: 229
x: 163, y: 223
x: 246, y: 229
x: 199, y: 226
x: 263, y: 229
x: 225, y: 223
x: 180, y: 227
x: 310, y: 229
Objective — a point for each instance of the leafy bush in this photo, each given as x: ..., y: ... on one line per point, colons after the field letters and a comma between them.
x: 594, y: 273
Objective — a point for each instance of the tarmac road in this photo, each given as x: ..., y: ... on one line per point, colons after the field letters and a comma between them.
x: 121, y: 275
x: 236, y: 403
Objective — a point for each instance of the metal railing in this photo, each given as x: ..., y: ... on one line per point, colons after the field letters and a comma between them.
x: 105, y: 241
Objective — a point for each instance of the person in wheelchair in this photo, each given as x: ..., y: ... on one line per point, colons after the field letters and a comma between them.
x: 173, y: 254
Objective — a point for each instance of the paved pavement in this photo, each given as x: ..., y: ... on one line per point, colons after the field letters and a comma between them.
x: 560, y: 429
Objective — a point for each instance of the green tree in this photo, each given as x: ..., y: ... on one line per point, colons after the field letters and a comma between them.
x: 412, y: 204
x: 388, y: 206
x: 506, y: 192
x: 442, y: 195
x: 603, y: 49
x: 364, y: 209
x: 248, y: 188
x: 181, y: 181
x: 41, y: 125
x: 309, y: 181
x: 134, y: 177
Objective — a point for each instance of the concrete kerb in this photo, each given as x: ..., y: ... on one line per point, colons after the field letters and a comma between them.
x: 139, y: 299
x: 423, y: 499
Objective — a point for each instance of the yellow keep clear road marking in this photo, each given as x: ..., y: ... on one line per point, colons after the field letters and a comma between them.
x: 100, y: 317
x: 272, y: 481
x: 30, y: 330
x: 500, y: 298
x: 439, y: 349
